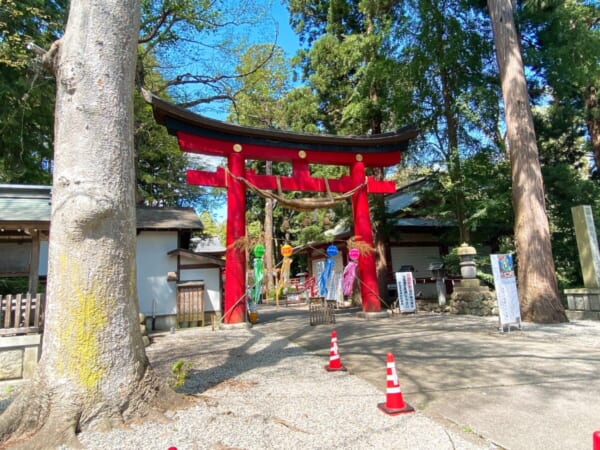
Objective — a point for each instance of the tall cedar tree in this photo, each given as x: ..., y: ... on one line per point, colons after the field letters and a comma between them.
x: 538, y: 289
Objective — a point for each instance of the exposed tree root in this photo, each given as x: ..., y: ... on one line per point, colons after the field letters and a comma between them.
x: 41, y: 417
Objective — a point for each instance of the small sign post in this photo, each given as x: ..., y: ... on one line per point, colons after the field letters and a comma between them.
x: 406, y: 292
x: 506, y: 290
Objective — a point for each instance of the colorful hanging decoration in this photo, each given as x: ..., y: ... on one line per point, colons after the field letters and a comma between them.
x: 331, y: 252
x: 259, y: 252
x: 284, y: 278
x: 350, y: 271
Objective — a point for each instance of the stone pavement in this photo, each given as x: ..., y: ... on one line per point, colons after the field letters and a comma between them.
x: 538, y: 388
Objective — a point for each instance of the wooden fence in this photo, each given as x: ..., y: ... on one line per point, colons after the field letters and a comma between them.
x: 21, y: 314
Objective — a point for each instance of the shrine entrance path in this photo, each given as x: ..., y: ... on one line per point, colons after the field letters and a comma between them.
x: 532, y: 389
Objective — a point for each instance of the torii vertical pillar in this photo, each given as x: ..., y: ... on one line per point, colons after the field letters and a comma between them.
x: 369, y: 288
x: 235, y: 257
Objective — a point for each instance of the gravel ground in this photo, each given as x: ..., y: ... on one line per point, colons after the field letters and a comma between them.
x: 260, y: 391
x: 257, y: 391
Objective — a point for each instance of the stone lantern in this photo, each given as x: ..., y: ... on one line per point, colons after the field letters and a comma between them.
x: 468, y: 296
x: 466, y: 254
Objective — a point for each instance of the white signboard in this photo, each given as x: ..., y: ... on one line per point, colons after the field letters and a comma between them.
x: 405, y: 285
x: 506, y: 290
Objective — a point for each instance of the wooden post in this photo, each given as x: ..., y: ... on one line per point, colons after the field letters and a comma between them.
x: 362, y: 229
x: 235, y: 258
x: 34, y: 264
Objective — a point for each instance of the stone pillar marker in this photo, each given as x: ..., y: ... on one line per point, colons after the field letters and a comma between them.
x: 584, y: 303
x: 587, y: 244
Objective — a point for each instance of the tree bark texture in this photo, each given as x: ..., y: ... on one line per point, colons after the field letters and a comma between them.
x: 93, y: 372
x: 592, y: 104
x: 538, y: 289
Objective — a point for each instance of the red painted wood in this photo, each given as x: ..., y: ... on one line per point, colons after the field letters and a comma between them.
x: 298, y: 182
x: 216, y: 147
x: 235, y: 258
x: 369, y: 288
x: 206, y: 178
x: 380, y: 186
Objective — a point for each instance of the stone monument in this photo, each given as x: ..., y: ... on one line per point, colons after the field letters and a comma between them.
x: 469, y: 296
x: 584, y: 303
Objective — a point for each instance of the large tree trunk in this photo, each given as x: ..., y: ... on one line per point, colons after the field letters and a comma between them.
x: 538, y: 290
x: 93, y: 373
x: 591, y: 103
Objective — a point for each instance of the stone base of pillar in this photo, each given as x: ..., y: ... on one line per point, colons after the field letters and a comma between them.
x: 373, y: 315
x: 469, y: 297
x: 225, y: 326
x: 583, y: 303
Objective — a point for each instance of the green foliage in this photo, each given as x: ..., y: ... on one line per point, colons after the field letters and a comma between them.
x: 369, y: 66
x: 13, y: 286
x: 301, y: 110
x: 484, y: 267
x: 168, y: 28
x: 451, y: 262
x: 161, y: 166
x: 350, y: 65
x: 180, y: 370
x: 565, y: 188
x: 562, y: 48
x: 209, y: 227
x: 311, y: 233
x: 27, y: 90
x: 258, y: 100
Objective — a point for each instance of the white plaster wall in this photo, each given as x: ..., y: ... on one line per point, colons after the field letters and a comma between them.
x: 153, y: 263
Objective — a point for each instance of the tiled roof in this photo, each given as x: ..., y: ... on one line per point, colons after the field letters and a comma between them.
x: 19, y: 203
x: 28, y: 203
x: 168, y: 218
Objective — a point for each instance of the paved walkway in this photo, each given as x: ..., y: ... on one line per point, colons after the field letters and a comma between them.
x: 538, y: 388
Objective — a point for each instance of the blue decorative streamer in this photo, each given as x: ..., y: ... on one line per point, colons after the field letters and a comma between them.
x: 325, y: 275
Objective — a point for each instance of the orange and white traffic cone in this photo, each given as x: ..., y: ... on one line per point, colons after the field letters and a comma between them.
x: 394, y: 402
x: 335, y: 362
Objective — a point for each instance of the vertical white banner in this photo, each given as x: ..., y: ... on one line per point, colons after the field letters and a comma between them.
x: 506, y: 289
x: 406, y: 291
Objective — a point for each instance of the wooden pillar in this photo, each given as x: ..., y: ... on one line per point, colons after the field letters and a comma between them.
x: 367, y: 271
x: 34, y: 263
x: 235, y: 258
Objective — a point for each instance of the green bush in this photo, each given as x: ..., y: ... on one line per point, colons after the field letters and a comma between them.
x: 16, y: 285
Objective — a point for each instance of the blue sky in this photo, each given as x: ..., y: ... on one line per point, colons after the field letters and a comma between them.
x: 286, y: 39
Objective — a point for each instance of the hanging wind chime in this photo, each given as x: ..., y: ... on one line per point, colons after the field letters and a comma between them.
x: 284, y: 278
x: 350, y: 271
x: 259, y: 252
x: 331, y: 252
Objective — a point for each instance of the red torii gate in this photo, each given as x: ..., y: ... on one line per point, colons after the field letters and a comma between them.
x: 198, y: 134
